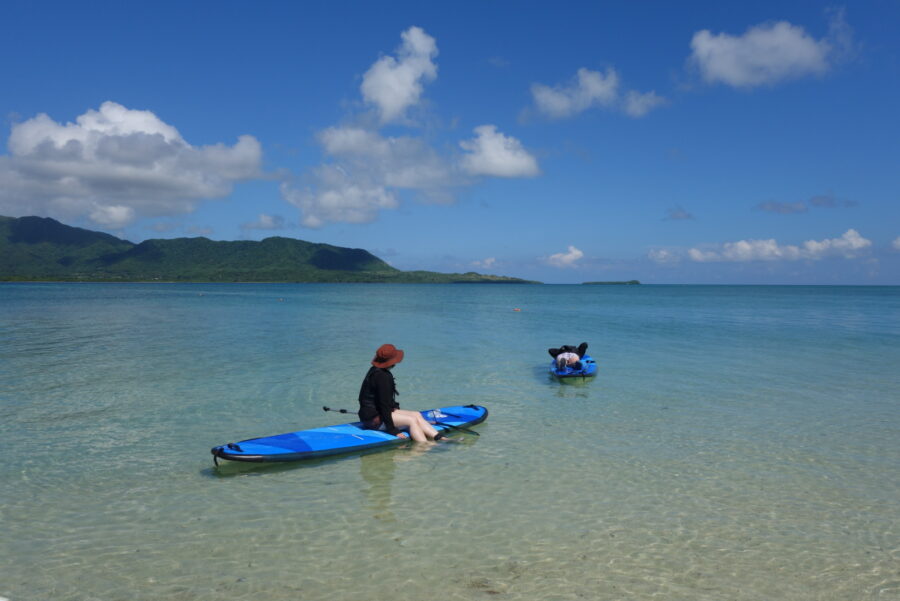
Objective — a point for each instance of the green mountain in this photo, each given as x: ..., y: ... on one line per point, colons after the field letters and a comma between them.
x: 43, y: 249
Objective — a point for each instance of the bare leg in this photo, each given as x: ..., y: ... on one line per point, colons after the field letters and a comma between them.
x: 427, y: 428
x: 419, y: 429
x: 403, y: 420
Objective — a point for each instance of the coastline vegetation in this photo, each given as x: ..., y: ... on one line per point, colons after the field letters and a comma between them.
x: 36, y: 249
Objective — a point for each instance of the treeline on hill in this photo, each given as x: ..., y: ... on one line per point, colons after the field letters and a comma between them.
x: 43, y: 249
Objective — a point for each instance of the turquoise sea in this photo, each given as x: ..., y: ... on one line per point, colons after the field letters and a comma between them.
x: 739, y: 443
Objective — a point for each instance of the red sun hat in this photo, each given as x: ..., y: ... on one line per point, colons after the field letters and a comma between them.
x: 387, y: 355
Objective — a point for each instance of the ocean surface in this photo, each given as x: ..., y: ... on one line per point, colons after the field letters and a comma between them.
x: 739, y: 443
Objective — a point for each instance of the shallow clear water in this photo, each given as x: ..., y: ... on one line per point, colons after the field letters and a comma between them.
x: 739, y: 443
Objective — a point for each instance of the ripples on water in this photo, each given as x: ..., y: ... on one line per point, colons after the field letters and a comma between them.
x: 739, y: 443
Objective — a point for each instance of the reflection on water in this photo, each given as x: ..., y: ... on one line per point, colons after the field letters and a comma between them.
x: 378, y: 473
x: 378, y: 470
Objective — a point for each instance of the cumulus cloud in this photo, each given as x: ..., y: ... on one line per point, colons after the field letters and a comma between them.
x: 638, y: 104
x: 591, y: 89
x: 896, y: 243
x: 398, y: 162
x: 265, y: 222
x: 367, y: 172
x: 492, y: 153
x: 395, y: 84
x: 488, y: 263
x: 339, y: 196
x: 588, y: 89
x: 663, y: 256
x: 114, y: 165
x: 566, y: 259
x: 768, y: 53
x: 849, y: 246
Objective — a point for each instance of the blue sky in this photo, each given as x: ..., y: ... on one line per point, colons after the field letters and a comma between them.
x: 695, y: 142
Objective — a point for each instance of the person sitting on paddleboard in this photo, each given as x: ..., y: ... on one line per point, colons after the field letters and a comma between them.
x: 378, y: 406
x: 568, y: 355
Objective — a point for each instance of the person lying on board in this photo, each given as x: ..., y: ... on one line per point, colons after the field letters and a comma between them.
x: 378, y: 406
x: 568, y: 355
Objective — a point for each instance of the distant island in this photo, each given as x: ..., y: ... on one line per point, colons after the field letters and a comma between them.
x: 35, y: 249
x: 628, y: 283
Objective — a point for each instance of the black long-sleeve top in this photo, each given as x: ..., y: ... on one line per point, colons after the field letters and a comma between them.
x: 377, y: 398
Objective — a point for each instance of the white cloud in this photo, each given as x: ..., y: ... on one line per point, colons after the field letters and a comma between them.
x: 663, y: 256
x: 590, y: 89
x: 401, y: 162
x: 114, y: 165
x: 395, y: 84
x: 896, y: 243
x: 849, y: 246
x: 746, y: 250
x: 365, y: 175
x: 488, y: 263
x: 566, y: 259
x: 765, y: 54
x: 353, y: 140
x: 112, y: 215
x: 367, y: 172
x: 265, y: 222
x: 638, y: 104
x: 492, y: 153
x: 338, y: 196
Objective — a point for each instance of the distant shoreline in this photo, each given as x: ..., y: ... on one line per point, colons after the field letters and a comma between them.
x: 41, y: 249
x: 361, y: 282
x: 220, y: 283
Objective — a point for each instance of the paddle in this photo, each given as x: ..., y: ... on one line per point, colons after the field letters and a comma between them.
x: 446, y: 425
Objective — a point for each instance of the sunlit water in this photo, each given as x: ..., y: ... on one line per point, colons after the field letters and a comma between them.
x: 739, y: 443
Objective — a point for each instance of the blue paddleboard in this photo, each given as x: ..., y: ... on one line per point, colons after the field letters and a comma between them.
x: 343, y: 438
x: 588, y: 369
